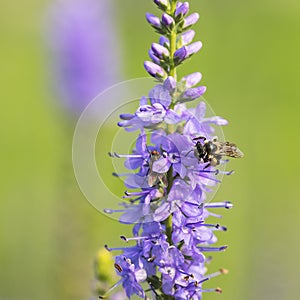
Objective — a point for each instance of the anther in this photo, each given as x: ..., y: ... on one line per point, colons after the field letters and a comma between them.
x: 212, y: 249
x: 124, y: 238
x: 224, y: 271
x: 230, y: 172
x: 118, y: 267
x: 218, y: 290
x: 151, y: 259
x: 218, y: 226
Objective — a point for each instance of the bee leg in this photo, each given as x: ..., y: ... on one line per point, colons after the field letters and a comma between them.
x: 199, y: 138
x: 208, y: 165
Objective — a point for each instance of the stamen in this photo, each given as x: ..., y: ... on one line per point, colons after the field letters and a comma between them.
x: 225, y: 204
x: 137, y: 238
x: 114, y: 249
x: 220, y: 272
x: 224, y: 271
x: 130, y: 194
x: 216, y: 172
x: 111, y: 211
x: 212, y: 249
x: 187, y: 274
x: 111, y: 289
x: 217, y: 290
x: 124, y: 238
x: 223, y: 228
x: 217, y: 226
x: 115, y: 154
x: 229, y: 172
x: 151, y: 259
x: 121, y: 174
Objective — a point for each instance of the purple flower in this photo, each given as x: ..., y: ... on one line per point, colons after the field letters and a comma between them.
x: 167, y: 20
x: 153, y: 20
x: 159, y: 51
x: 193, y: 93
x: 192, y: 79
x: 182, y: 10
x: 198, y: 124
x: 190, y: 20
x: 186, y: 51
x: 193, y: 48
x: 154, y: 70
x: 163, y: 4
x: 187, y: 37
x: 164, y: 41
x: 181, y: 54
x: 131, y: 276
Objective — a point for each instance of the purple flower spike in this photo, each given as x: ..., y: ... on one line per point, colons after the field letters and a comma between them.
x: 154, y: 69
x: 167, y: 20
x: 192, y: 79
x: 182, y: 10
x: 187, y: 37
x: 193, y: 48
x: 160, y: 51
x: 194, y: 93
x: 153, y: 20
x: 172, y: 168
x: 190, y: 20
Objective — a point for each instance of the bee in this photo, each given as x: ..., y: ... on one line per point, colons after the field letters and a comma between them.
x: 212, y: 151
x: 155, y: 177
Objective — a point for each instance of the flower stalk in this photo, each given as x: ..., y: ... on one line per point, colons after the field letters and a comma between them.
x: 176, y: 160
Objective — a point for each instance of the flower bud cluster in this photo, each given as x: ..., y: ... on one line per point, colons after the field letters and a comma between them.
x: 171, y: 22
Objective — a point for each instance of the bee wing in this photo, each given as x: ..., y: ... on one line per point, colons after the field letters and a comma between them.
x: 229, y: 149
x: 152, y: 178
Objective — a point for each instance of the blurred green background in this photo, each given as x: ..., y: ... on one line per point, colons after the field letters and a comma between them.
x: 49, y: 233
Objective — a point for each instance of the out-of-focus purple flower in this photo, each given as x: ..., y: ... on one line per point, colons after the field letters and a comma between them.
x: 85, y: 57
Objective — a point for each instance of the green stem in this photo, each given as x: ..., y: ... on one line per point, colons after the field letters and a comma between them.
x: 173, y: 38
x: 168, y: 221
